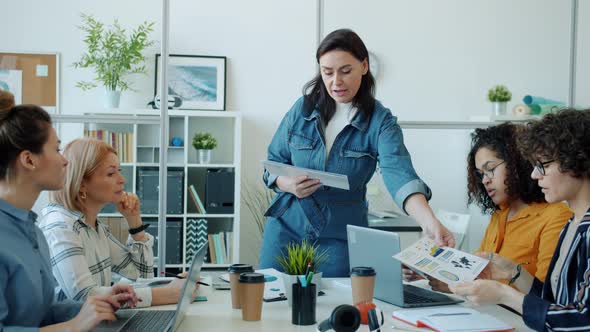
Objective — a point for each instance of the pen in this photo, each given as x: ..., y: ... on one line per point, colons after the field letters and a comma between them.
x: 309, y: 277
x: 179, y: 277
x: 451, y: 314
x: 307, y: 269
x: 303, y: 281
x: 172, y: 275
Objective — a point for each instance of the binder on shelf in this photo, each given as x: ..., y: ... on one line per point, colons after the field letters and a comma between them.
x: 197, y: 199
x: 196, y: 236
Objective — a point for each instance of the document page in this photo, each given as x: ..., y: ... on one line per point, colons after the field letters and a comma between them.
x: 443, y: 263
x: 327, y: 179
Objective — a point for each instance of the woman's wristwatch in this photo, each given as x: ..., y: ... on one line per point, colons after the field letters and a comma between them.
x: 138, y: 229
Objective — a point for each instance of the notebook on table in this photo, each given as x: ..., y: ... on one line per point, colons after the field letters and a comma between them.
x: 451, y: 319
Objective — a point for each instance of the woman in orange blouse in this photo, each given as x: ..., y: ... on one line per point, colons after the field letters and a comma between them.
x: 523, y: 226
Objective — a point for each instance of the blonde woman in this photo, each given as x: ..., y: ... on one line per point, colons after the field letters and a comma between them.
x: 83, y: 251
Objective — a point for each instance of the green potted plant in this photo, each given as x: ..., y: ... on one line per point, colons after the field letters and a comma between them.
x: 204, y: 143
x: 294, y: 260
x: 113, y: 54
x: 499, y: 96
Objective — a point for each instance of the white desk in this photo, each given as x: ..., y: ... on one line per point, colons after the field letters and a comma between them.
x: 217, y: 315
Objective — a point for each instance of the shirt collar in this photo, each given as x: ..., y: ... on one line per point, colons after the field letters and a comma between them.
x: 532, y: 209
x: 18, y: 214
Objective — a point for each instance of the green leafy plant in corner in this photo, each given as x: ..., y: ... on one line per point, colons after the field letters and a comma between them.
x: 257, y: 199
x: 499, y: 93
x: 112, y: 53
x: 204, y: 141
x: 294, y: 259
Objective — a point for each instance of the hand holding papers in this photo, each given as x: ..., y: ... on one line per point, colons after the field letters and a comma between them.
x: 327, y: 179
x: 443, y: 263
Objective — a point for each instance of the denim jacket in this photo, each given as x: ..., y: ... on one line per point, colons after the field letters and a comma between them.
x: 299, y: 141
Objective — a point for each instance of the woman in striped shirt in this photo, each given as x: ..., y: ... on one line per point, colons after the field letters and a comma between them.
x: 84, y: 253
x: 559, y: 146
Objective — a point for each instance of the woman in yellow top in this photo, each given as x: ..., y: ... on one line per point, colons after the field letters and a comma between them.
x: 523, y: 226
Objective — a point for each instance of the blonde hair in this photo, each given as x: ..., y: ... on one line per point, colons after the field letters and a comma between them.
x: 84, y: 156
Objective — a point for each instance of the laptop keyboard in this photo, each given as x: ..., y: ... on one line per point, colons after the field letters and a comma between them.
x: 416, y: 295
x: 150, y: 320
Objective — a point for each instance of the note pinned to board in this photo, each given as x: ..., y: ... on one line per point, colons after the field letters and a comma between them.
x: 326, y: 178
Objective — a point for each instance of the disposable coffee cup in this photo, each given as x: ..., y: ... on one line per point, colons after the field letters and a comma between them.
x: 251, y: 291
x: 234, y: 276
x: 363, y: 283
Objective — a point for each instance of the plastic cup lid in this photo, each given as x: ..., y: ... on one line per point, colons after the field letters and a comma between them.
x: 362, y: 271
x: 252, y: 278
x: 240, y: 268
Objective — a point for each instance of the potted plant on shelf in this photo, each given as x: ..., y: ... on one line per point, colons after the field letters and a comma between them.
x: 499, y: 96
x: 294, y: 261
x: 113, y: 54
x: 204, y: 143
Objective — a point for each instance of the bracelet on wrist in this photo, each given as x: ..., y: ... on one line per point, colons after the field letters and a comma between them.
x: 136, y: 230
x: 516, y: 275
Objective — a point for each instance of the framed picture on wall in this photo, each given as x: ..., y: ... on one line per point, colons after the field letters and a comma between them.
x: 33, y: 78
x: 197, y: 79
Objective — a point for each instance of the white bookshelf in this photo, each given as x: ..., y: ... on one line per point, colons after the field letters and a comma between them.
x: 225, y: 126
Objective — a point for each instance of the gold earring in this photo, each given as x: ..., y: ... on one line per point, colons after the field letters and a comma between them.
x: 83, y: 195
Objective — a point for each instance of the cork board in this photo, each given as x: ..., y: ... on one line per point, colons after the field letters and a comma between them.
x: 32, y: 77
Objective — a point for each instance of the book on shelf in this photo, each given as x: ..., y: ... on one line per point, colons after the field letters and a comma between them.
x: 196, y: 199
x: 218, y: 249
x: 120, y: 141
x: 219, y: 244
x: 212, y: 258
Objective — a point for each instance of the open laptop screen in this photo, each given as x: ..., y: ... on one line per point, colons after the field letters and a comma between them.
x: 190, y: 285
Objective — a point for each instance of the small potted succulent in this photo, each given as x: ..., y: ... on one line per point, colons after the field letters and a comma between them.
x: 499, y: 96
x: 294, y: 261
x: 204, y: 143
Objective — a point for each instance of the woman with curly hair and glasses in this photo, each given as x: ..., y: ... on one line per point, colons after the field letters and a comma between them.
x: 523, y: 226
x: 559, y: 148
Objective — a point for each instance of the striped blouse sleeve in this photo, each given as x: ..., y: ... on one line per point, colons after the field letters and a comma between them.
x: 542, y: 315
x: 134, y: 260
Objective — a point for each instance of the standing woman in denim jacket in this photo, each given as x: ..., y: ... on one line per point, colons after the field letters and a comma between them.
x: 339, y: 127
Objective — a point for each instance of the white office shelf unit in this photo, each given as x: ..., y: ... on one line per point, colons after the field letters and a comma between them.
x: 143, y: 154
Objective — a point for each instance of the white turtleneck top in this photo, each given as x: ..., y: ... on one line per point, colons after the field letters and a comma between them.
x: 344, y: 114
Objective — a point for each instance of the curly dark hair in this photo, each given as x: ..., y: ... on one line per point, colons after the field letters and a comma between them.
x: 563, y: 137
x: 502, y: 139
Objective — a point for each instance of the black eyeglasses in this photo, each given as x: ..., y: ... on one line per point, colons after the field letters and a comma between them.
x: 540, y: 165
x: 487, y: 172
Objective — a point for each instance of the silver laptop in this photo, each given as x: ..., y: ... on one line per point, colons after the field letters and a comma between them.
x: 160, y: 320
x: 375, y: 248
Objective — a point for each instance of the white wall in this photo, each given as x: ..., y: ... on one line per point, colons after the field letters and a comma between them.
x: 438, y: 58
x: 583, y: 55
